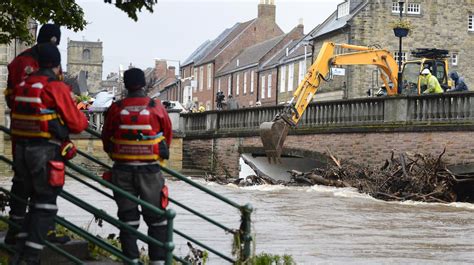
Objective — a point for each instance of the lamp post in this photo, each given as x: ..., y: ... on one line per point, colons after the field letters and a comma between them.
x: 400, y: 81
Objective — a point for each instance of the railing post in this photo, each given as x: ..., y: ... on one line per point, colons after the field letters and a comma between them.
x: 211, y: 121
x: 169, y: 245
x: 396, y: 109
x: 246, y: 231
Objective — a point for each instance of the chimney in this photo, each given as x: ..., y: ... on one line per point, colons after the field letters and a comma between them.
x: 171, y: 73
x: 266, y: 10
x: 160, y: 69
x: 300, y: 27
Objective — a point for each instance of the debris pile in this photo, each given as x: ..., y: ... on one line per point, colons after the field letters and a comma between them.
x: 407, y: 176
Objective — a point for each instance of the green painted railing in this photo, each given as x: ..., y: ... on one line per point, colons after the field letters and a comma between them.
x: 244, y: 232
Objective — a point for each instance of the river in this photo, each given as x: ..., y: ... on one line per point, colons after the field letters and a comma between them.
x: 316, y: 225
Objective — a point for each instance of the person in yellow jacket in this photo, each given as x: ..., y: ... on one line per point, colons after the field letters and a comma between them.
x: 431, y: 82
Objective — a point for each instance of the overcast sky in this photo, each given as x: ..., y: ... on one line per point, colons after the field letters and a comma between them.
x: 177, y: 27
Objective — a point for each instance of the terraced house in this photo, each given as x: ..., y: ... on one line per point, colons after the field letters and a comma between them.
x: 442, y: 24
x: 210, y: 57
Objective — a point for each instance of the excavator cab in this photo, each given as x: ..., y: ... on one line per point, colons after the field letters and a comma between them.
x: 434, y: 60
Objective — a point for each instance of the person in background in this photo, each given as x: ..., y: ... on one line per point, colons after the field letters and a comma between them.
x: 23, y: 65
x: 431, y: 82
x: 459, y: 84
x: 136, y: 134
x: 232, y: 103
x: 43, y: 115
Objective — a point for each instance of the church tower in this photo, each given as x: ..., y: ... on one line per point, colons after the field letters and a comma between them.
x: 85, y: 57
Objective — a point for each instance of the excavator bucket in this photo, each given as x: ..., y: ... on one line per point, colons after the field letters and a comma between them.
x: 273, y: 135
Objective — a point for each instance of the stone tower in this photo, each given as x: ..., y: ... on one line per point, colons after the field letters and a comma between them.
x: 86, y: 56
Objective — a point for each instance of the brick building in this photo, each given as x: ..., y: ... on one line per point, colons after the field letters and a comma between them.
x: 164, y: 75
x: 442, y: 24
x: 240, y: 77
x: 217, y: 53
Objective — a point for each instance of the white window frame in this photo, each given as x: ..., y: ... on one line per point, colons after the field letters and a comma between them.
x: 269, y: 85
x: 262, y: 85
x: 454, y: 59
x: 196, y: 78
x: 209, y: 76
x: 219, y: 84
x: 404, y: 56
x: 396, y: 7
x: 252, y: 81
x: 229, y: 85
x: 291, y: 73
x: 470, y: 22
x: 201, y: 78
x: 237, y: 85
x: 245, y: 82
x: 283, y: 79
x: 343, y: 9
x: 301, y: 71
x: 413, y: 8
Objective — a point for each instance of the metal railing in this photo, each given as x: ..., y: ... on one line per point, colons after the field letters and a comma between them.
x: 244, y: 231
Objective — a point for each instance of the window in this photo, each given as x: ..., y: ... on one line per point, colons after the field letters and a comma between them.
x: 219, y: 84
x: 269, y: 86
x: 470, y: 26
x: 209, y: 76
x: 454, y: 59
x: 262, y: 85
x: 4, y: 53
x: 86, y: 54
x: 3, y: 75
x: 252, y: 80
x: 301, y: 71
x: 237, y: 85
x: 396, y: 7
x: 343, y: 9
x: 404, y: 56
x: 291, y: 72
x: 201, y: 78
x: 413, y: 8
x: 229, y: 85
x: 283, y: 79
x: 195, y: 77
x: 245, y: 83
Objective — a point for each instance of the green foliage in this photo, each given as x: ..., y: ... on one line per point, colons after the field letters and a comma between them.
x: 270, y: 259
x: 16, y: 15
x: 403, y: 23
x: 82, y: 98
x: 3, y: 226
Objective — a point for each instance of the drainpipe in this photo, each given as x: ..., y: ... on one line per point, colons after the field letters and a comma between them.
x: 276, y: 85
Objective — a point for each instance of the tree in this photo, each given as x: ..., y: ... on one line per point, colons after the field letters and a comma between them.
x: 15, y: 15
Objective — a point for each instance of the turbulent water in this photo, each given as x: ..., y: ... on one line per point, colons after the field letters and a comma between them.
x: 316, y: 225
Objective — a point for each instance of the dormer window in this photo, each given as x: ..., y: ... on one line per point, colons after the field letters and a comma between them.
x: 343, y: 9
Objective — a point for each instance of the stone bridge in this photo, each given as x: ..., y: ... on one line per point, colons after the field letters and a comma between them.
x: 363, y: 131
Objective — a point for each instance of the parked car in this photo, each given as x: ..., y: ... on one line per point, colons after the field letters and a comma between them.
x: 174, y: 105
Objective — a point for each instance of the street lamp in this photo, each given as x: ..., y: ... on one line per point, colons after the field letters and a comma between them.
x: 400, y: 81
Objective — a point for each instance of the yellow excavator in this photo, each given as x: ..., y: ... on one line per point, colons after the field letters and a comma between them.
x: 273, y: 134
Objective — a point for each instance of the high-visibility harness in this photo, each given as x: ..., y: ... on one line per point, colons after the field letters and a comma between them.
x: 30, y: 117
x: 136, y: 139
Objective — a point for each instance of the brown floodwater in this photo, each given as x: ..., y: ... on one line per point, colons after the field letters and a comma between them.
x: 315, y: 225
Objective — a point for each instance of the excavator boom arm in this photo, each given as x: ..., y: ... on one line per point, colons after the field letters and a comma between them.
x: 273, y: 133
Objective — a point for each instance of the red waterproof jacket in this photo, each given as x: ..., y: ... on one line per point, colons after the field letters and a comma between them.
x: 126, y: 133
x: 23, y: 65
x: 55, y: 97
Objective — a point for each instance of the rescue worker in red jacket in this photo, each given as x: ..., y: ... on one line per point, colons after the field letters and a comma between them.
x: 43, y: 115
x: 136, y: 135
x: 19, y: 69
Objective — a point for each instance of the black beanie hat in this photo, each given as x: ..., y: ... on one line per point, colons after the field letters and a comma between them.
x: 48, y: 55
x: 49, y: 31
x: 134, y: 79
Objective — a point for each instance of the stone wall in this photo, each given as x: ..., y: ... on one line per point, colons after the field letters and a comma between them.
x: 362, y: 148
x: 442, y: 24
x: 77, y: 61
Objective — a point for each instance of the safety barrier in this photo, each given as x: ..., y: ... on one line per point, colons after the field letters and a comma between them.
x: 244, y: 232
